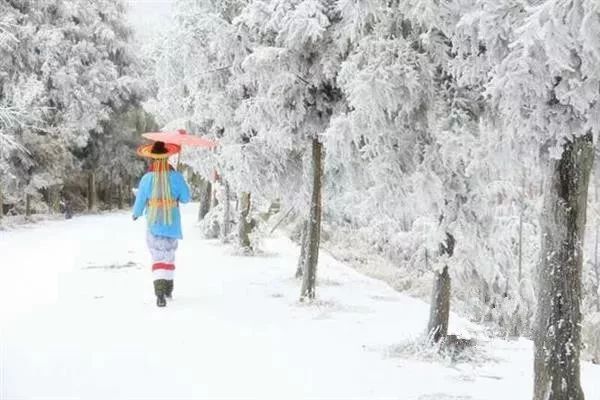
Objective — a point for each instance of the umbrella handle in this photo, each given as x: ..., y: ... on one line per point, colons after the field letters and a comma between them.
x: 178, y: 159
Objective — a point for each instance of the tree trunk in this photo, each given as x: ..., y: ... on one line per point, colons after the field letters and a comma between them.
x: 129, y: 196
x: 205, y: 199
x: 558, y: 326
x: 520, y: 275
x: 1, y: 203
x: 521, y: 216
x: 302, y: 258
x: 244, y: 225
x: 213, y: 197
x: 54, y: 198
x: 27, y: 205
x: 314, y: 225
x: 596, y: 266
x: 120, y: 196
x: 597, y: 271
x: 439, y: 313
x: 109, y: 195
x: 226, y: 226
x: 91, y: 192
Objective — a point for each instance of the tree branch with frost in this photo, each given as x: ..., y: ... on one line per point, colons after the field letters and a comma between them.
x: 6, y: 37
x: 10, y: 116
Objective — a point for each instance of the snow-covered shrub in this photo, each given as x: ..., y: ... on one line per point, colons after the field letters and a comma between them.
x: 210, y: 226
x: 450, y: 351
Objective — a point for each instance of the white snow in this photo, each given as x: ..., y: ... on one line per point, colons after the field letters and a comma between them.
x: 72, y: 327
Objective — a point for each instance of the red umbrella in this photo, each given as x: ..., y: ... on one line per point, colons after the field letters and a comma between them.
x: 180, y: 137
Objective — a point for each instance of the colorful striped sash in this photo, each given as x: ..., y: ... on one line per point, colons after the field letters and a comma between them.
x: 162, y: 203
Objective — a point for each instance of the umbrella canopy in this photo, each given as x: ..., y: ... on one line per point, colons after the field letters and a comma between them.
x: 180, y: 137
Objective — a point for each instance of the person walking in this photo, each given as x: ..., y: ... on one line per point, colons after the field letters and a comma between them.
x: 159, y: 193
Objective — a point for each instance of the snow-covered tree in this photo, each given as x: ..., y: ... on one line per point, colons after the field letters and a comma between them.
x: 73, y: 67
x: 198, y: 91
x: 547, y: 88
x: 406, y: 116
x: 292, y: 75
x: 437, y: 118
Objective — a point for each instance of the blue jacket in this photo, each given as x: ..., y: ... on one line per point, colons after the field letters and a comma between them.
x: 180, y: 192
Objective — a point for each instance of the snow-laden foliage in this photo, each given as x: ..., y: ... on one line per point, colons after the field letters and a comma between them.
x: 9, y: 118
x: 197, y: 89
x: 415, y: 128
x: 549, y: 79
x: 255, y: 76
x: 290, y: 75
x: 66, y: 68
x: 435, y: 117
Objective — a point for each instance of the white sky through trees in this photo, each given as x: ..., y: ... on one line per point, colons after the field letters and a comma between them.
x: 149, y: 16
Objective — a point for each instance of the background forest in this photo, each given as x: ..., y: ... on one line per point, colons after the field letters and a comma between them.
x: 420, y: 141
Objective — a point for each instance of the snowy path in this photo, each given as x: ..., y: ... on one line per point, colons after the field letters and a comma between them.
x: 78, y: 321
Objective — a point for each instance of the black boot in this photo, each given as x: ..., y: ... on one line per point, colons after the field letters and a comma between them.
x: 159, y: 291
x: 169, y: 289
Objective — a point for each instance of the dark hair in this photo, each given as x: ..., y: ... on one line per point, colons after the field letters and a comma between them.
x: 159, y: 148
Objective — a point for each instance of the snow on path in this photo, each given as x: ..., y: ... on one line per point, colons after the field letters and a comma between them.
x: 78, y: 321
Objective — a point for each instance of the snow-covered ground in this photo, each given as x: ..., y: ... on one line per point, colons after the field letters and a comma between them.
x: 78, y: 321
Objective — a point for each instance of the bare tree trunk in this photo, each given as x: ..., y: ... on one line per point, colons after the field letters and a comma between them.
x: 288, y: 212
x: 205, y: 199
x: 558, y: 326
x: 129, y: 196
x: 244, y: 225
x: 1, y: 203
x: 596, y: 266
x: 439, y: 314
x: 226, y: 225
x: 27, y: 205
x: 54, y: 198
x: 520, y: 246
x: 109, y: 195
x: 91, y: 192
x: 597, y: 271
x: 521, y: 216
x: 302, y: 258
x: 314, y: 225
x: 120, y: 196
